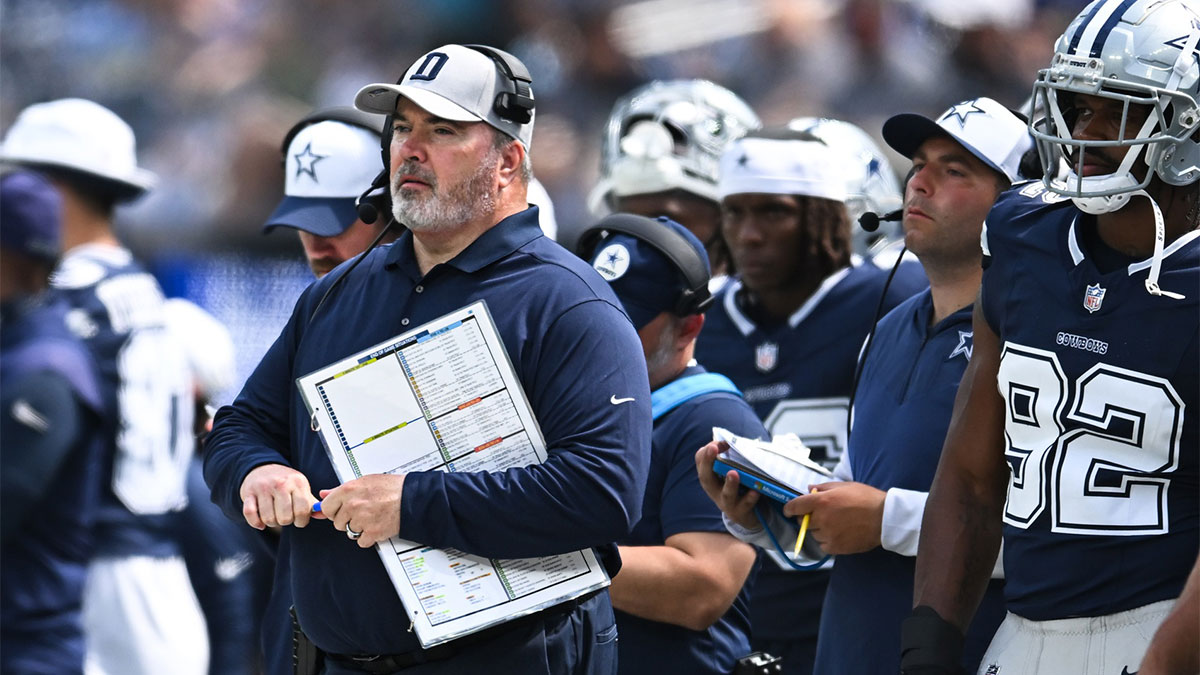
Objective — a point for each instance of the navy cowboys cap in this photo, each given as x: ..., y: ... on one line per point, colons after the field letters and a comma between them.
x: 30, y: 215
x: 644, y: 280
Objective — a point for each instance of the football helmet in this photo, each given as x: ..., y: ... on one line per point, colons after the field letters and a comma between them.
x: 1142, y: 53
x: 872, y: 185
x: 668, y: 135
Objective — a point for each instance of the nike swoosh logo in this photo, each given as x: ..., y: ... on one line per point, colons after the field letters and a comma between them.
x: 1125, y: 671
x: 618, y: 401
x: 24, y: 413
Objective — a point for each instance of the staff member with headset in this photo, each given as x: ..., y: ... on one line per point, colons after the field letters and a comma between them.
x: 681, y: 595
x: 51, y: 442
x: 870, y: 515
x: 462, y: 122
x: 329, y: 158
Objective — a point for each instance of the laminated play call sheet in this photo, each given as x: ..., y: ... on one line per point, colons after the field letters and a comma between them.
x: 444, y: 397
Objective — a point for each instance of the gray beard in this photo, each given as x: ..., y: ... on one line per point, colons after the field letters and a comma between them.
x: 437, y: 211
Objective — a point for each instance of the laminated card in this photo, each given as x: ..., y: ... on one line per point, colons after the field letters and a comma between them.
x: 444, y: 397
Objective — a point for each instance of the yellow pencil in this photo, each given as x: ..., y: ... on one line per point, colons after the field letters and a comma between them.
x: 803, y: 529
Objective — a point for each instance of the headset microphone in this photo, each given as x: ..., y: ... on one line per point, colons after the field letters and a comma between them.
x: 367, y: 203
x: 870, y: 221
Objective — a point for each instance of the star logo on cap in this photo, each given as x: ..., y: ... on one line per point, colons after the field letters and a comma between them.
x: 306, y: 162
x: 961, y: 110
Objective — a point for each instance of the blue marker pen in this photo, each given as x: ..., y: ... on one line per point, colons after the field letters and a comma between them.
x: 317, y: 507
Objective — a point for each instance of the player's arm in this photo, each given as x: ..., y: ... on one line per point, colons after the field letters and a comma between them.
x: 961, y: 530
x: 1175, y: 648
x: 691, y: 581
x: 41, y: 422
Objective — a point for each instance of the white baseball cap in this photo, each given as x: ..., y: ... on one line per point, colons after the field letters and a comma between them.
x: 985, y: 128
x: 783, y: 162
x: 78, y: 135
x: 452, y: 82
x: 327, y: 165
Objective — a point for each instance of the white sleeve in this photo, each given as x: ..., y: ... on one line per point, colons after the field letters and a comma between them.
x: 780, y: 526
x: 900, y: 531
x: 842, y: 472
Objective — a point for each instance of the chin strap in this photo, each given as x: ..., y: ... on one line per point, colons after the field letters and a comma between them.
x: 1156, y: 262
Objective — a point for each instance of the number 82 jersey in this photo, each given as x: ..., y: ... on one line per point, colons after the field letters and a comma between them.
x: 1101, y: 388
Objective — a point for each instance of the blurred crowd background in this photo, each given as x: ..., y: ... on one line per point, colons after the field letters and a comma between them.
x: 211, y: 86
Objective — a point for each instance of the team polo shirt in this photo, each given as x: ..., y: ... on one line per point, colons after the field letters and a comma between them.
x: 675, y: 503
x: 44, y: 563
x: 902, y: 410
x: 797, y: 373
x: 573, y: 350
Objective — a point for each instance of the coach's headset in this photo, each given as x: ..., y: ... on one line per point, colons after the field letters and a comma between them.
x: 515, y: 104
x: 696, y: 298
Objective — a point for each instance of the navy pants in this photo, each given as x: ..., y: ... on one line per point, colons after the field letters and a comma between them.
x: 583, y: 642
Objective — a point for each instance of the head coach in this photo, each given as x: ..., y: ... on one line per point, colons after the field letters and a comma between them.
x: 457, y: 157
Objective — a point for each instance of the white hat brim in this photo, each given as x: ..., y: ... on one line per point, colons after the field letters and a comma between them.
x: 381, y: 98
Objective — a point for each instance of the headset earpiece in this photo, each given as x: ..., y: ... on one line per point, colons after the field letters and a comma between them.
x: 517, y: 104
x: 696, y: 298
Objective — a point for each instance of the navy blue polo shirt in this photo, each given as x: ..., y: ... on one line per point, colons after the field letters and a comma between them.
x: 42, y: 577
x: 676, y: 503
x: 901, y: 413
x: 574, y: 351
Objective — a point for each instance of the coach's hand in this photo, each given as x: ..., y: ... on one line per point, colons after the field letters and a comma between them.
x: 274, y: 495
x: 369, y: 505
x: 846, y: 517
x: 724, y: 493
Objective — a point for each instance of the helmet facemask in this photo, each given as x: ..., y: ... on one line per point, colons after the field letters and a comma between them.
x: 1167, y: 143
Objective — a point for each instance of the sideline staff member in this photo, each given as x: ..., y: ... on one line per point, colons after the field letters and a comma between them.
x: 459, y: 171
x: 51, y: 443
x: 681, y: 596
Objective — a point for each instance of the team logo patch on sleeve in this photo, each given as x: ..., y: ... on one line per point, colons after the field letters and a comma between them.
x: 766, y: 356
x: 1093, y: 297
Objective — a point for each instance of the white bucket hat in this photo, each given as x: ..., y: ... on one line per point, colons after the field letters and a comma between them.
x: 78, y: 135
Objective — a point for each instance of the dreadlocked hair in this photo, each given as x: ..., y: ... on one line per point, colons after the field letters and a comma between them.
x: 824, y: 236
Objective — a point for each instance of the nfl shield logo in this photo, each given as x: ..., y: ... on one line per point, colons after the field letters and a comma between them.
x: 766, y: 356
x: 1093, y: 297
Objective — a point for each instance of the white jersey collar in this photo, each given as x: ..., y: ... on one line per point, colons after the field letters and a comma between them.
x: 1077, y: 254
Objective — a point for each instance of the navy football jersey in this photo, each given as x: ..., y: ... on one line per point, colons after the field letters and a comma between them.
x: 117, y: 309
x: 1101, y: 384
x: 797, y: 376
